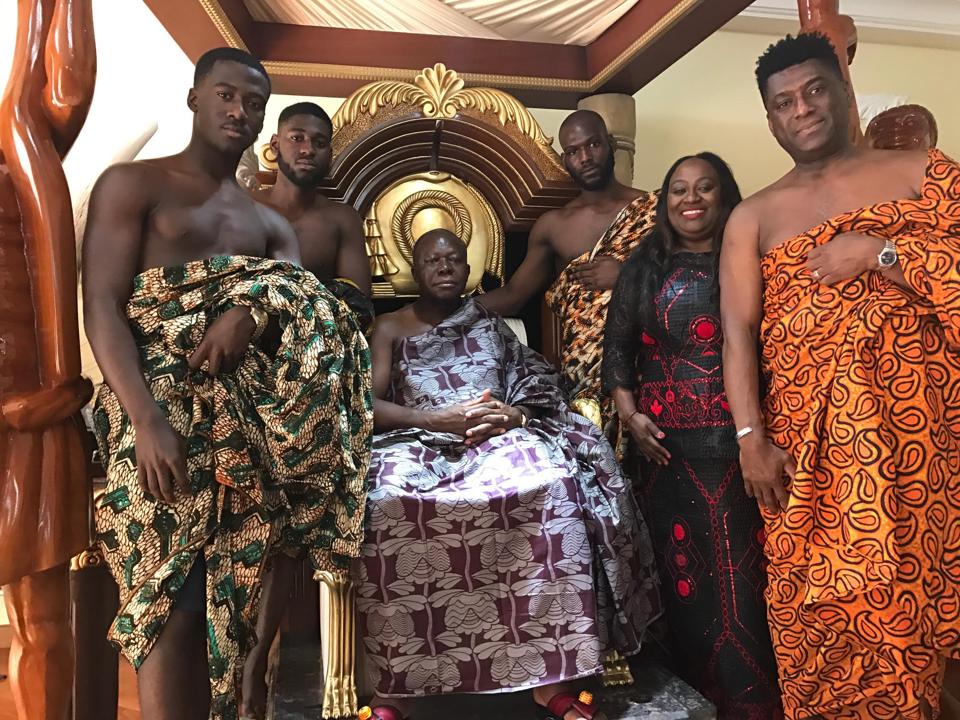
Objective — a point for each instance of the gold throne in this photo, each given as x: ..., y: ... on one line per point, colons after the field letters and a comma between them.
x: 412, y: 157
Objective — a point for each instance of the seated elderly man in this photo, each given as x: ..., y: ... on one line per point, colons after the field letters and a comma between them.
x: 504, y: 549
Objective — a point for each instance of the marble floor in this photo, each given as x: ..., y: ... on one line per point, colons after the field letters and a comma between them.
x: 656, y: 695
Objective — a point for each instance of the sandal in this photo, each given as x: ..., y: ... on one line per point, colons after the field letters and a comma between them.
x: 563, y: 702
x: 381, y: 712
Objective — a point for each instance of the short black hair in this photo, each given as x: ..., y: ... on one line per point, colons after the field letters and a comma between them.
x: 305, y: 108
x: 791, y: 51
x: 227, y: 54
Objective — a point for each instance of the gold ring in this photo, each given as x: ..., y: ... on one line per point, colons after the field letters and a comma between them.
x: 816, y: 274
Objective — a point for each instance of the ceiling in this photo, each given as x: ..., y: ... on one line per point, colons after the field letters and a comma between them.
x: 548, y: 53
x: 565, y: 22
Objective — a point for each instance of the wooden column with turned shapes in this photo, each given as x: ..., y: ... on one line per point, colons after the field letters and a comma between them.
x: 823, y: 16
x: 44, y: 481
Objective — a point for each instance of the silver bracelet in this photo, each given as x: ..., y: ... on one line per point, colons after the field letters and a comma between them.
x: 742, y: 433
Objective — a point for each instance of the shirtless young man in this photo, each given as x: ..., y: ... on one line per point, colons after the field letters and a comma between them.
x: 580, y: 249
x: 332, y: 246
x: 845, y: 271
x: 330, y: 233
x: 191, y: 512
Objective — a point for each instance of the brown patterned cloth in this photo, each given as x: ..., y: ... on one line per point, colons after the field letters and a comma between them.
x: 863, y: 391
x: 277, y: 454
x: 583, y: 313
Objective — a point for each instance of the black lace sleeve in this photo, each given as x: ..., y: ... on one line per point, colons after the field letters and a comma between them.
x: 621, y: 335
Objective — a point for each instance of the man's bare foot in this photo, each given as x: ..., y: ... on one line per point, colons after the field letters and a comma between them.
x: 544, y: 694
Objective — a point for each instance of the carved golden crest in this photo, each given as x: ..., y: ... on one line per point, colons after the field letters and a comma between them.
x: 417, y: 203
x: 440, y: 93
x: 267, y: 156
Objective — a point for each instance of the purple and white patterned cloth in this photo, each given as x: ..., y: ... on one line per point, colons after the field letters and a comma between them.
x: 513, y: 564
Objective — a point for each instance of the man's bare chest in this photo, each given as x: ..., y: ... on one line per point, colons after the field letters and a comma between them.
x: 580, y: 233
x: 800, y: 212
x: 319, y: 240
x: 179, y: 231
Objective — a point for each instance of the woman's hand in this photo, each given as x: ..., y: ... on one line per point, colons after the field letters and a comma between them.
x: 648, y: 435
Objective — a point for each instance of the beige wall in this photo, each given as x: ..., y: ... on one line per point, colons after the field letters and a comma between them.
x: 142, y: 82
x: 709, y: 101
x: 706, y: 101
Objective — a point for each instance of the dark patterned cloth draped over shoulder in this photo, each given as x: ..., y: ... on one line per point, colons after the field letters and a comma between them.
x: 583, y: 312
x: 864, y: 393
x: 508, y: 565
x: 707, y: 534
x: 277, y: 453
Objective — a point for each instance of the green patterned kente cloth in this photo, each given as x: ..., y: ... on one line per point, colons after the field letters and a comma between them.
x: 277, y: 453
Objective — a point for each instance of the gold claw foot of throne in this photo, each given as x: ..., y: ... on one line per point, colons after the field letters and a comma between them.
x: 337, y: 638
x: 616, y: 670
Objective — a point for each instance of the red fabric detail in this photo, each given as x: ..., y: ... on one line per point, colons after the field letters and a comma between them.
x: 679, y: 532
x: 691, y: 404
x: 562, y: 703
x: 703, y: 329
x: 683, y: 588
x: 387, y: 712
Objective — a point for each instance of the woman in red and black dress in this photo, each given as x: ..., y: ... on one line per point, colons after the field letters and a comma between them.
x: 662, y: 364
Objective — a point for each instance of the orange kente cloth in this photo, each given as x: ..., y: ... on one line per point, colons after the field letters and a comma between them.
x: 864, y: 393
x: 583, y: 313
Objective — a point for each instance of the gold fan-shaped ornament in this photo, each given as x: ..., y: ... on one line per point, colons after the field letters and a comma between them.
x: 440, y: 93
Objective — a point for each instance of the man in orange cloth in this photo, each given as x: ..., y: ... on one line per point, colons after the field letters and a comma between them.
x: 44, y: 483
x: 580, y: 249
x: 846, y: 270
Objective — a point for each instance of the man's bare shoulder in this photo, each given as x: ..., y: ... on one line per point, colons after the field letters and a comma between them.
x: 909, y: 166
x: 392, y: 325
x: 336, y: 212
x: 633, y: 193
x: 268, y: 213
x: 134, y: 184
x: 136, y: 171
x: 745, y: 217
x: 551, y: 217
x: 754, y: 205
x: 624, y: 196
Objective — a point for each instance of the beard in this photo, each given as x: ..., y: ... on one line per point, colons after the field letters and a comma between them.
x: 602, y: 180
x: 307, y: 180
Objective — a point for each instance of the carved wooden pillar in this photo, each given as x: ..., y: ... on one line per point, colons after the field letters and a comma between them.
x: 619, y: 112
x: 905, y: 127
x: 44, y: 483
x: 94, y: 601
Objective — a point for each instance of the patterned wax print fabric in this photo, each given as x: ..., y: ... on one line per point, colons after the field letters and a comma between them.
x: 707, y: 534
x: 277, y: 453
x: 583, y: 312
x: 512, y: 564
x: 863, y: 390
